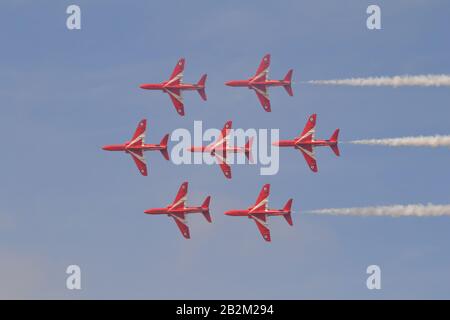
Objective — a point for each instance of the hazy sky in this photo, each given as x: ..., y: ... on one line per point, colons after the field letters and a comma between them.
x: 65, y: 201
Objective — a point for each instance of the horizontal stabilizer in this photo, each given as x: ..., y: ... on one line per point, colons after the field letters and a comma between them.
x: 288, y: 87
x: 334, y: 138
x: 205, y: 207
x: 202, y: 91
x: 163, y: 144
x: 335, y: 149
x: 287, y: 208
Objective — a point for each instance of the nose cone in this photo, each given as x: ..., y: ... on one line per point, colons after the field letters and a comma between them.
x: 115, y: 147
x: 142, y: 86
x: 276, y: 143
x: 156, y: 211
x: 234, y: 213
x: 230, y: 83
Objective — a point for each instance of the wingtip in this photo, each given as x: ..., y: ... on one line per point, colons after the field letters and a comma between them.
x: 313, y: 118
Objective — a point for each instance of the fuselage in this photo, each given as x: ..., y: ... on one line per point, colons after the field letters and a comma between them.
x: 217, y: 149
x: 125, y: 147
x: 165, y: 86
x: 295, y: 143
x: 250, y: 83
x: 167, y: 210
x: 249, y: 212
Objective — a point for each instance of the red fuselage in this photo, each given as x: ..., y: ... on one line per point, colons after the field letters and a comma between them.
x: 218, y: 149
x: 163, y: 86
x: 124, y: 147
x: 185, y: 210
x: 250, y: 83
x: 249, y: 212
x: 314, y: 143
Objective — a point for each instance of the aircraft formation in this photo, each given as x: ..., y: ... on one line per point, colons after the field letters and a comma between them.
x: 220, y: 148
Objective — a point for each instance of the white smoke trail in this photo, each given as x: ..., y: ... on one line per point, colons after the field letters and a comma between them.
x: 411, y: 210
x: 421, y: 141
x: 429, y: 80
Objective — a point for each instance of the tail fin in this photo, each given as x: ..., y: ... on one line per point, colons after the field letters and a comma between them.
x: 248, y: 149
x: 202, y: 91
x: 163, y: 144
x: 334, y: 138
x: 205, y: 207
x: 287, y: 208
x: 288, y: 87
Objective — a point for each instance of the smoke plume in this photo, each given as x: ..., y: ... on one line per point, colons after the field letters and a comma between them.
x: 421, y: 141
x: 411, y: 210
x: 429, y: 80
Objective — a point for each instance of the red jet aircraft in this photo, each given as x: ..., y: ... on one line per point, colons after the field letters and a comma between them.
x: 177, y: 210
x: 220, y: 148
x: 136, y: 147
x: 306, y: 143
x: 174, y: 86
x: 260, y: 82
x: 259, y: 212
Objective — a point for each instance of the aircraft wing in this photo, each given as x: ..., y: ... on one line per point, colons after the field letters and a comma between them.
x: 177, y: 99
x: 226, y: 169
x: 221, y: 141
x: 308, y: 154
x: 180, y: 220
x: 262, y: 201
x: 139, y: 135
x: 263, y: 96
x: 263, y: 228
x: 138, y: 157
x: 263, y: 69
x: 177, y: 74
x: 309, y: 129
x: 180, y: 198
x: 224, y: 166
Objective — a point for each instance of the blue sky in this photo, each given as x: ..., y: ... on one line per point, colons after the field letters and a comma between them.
x: 64, y: 201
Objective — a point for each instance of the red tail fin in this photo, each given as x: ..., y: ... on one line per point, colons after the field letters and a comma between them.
x: 163, y: 144
x: 248, y: 149
x: 202, y: 91
x: 205, y: 207
x: 334, y: 138
x: 288, y: 87
x: 287, y: 209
